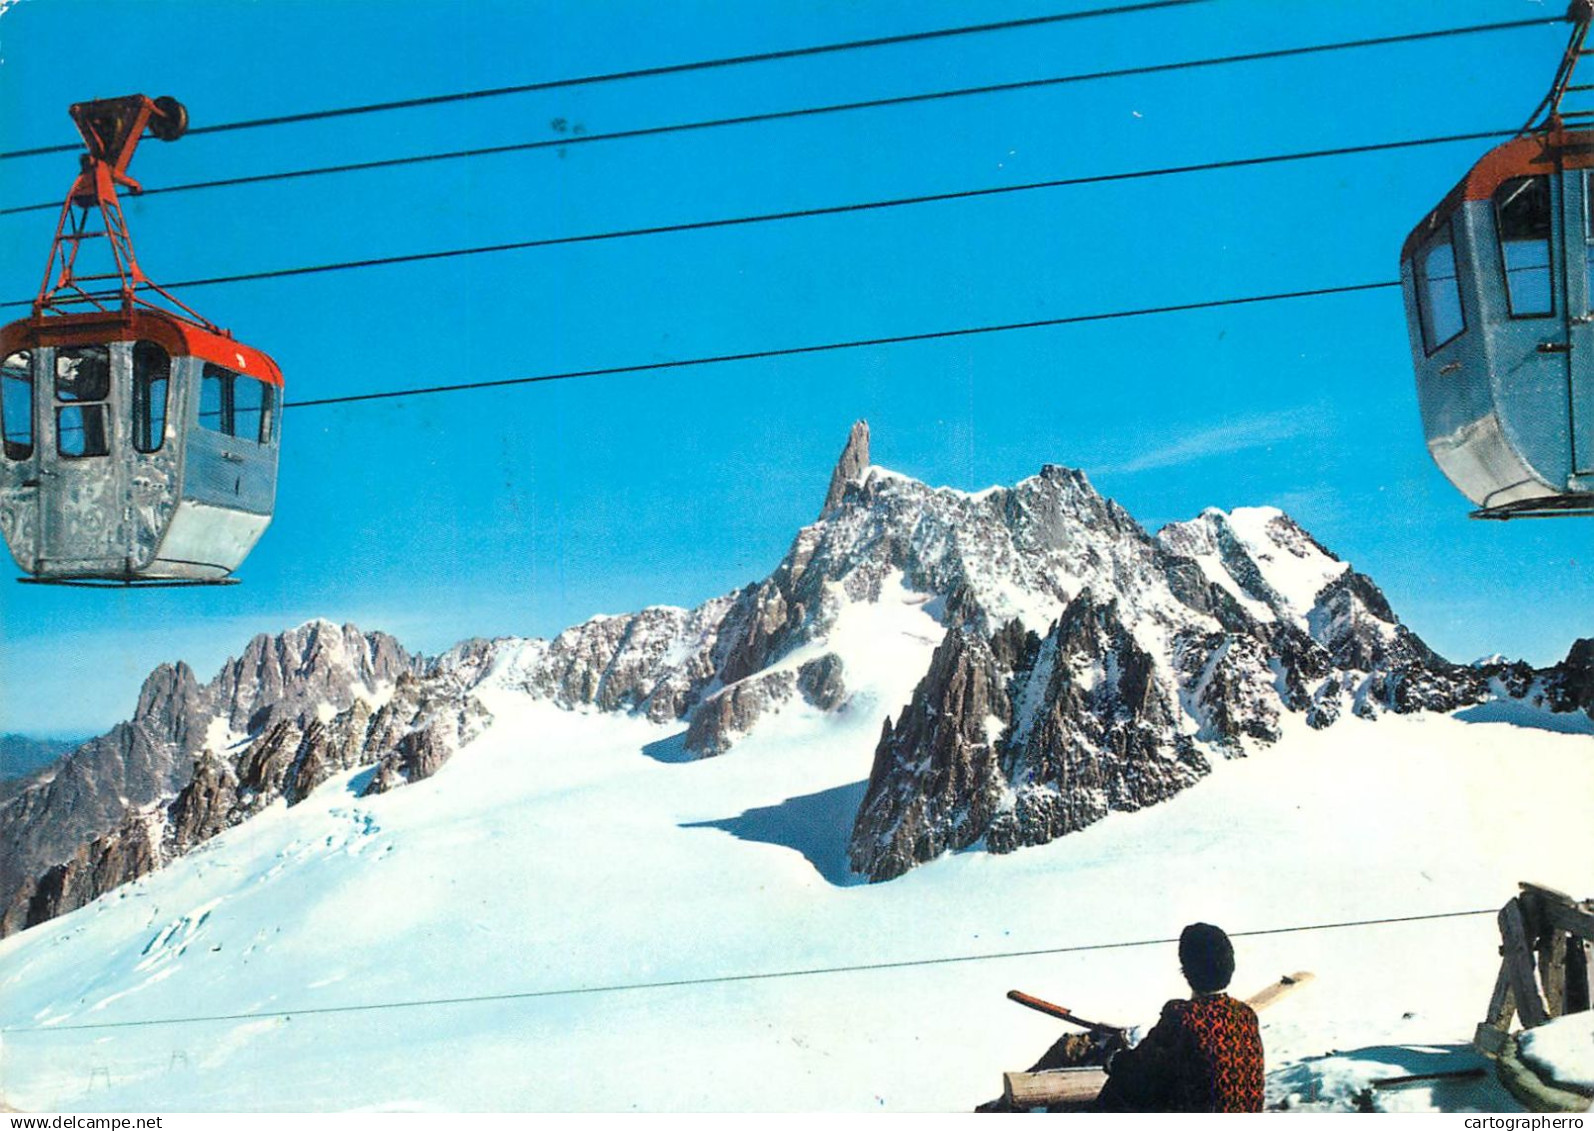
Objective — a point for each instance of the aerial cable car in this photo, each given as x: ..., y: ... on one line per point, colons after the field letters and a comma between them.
x: 140, y: 439
x: 1499, y: 290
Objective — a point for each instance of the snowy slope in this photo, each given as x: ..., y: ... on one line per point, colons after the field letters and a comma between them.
x: 567, y: 851
x: 1259, y: 557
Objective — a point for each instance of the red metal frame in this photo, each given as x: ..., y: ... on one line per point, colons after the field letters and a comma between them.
x: 111, y: 129
x: 177, y: 336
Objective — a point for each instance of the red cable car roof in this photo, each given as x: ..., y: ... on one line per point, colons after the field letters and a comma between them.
x: 1520, y: 157
x: 175, y: 335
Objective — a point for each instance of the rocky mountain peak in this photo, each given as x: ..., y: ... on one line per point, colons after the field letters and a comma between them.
x: 197, y: 758
x: 1578, y: 668
x: 318, y: 662
x: 850, y: 467
x: 1258, y: 556
x: 169, y: 702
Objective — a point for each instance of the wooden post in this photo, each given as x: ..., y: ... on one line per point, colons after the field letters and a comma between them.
x: 1552, y: 971
x: 1579, y: 986
x: 1496, y: 1027
x: 1566, y: 958
x: 1572, y: 917
x: 1553, y: 895
x: 1518, y: 956
x: 1547, y: 939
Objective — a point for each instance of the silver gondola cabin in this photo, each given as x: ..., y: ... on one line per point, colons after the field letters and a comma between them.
x: 140, y: 443
x: 1500, y: 308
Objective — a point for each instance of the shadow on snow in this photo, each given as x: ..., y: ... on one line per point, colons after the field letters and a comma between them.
x: 1527, y: 715
x: 816, y: 825
x: 670, y: 750
x: 1342, y: 1080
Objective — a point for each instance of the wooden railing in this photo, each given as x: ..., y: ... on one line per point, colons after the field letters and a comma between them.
x: 1547, y: 953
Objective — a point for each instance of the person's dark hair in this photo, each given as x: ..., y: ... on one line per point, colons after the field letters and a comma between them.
x: 1207, y: 957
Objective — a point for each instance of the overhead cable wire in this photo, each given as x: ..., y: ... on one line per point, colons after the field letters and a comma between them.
x: 806, y: 213
x: 802, y: 112
x: 665, y: 69
x: 725, y: 979
x: 832, y: 347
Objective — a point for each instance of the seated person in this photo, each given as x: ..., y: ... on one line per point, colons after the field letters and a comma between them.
x: 1204, y: 1054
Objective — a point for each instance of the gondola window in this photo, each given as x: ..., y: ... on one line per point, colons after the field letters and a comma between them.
x: 1522, y: 212
x: 1588, y: 240
x: 236, y: 405
x: 83, y: 382
x: 16, y: 405
x: 1439, y: 292
x: 152, y: 368
x: 252, y: 409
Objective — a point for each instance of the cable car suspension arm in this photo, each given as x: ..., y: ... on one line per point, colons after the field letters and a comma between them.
x: 111, y: 129
x: 1547, y: 116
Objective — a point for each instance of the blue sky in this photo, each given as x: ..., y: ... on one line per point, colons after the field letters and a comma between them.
x: 524, y: 510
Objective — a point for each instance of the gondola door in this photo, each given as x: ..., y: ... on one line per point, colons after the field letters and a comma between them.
x: 81, y: 498
x: 1578, y: 216
x: 1533, y: 350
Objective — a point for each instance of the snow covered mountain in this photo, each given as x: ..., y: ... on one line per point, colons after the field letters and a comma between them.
x: 643, y: 844
x: 197, y: 759
x: 1063, y: 664
x: 1141, y: 660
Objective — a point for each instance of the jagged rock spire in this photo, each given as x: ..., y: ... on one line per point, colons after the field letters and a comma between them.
x: 854, y: 462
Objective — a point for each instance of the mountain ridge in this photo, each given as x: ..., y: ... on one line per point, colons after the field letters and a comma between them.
x: 1087, y: 666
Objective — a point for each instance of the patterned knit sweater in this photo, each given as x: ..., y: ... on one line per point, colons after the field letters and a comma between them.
x: 1204, y: 1054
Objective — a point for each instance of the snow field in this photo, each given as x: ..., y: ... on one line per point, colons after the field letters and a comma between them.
x: 565, y: 852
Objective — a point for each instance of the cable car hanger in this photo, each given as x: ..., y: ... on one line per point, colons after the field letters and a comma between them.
x: 1498, y: 283
x: 111, y: 129
x: 140, y: 439
x: 1579, y: 12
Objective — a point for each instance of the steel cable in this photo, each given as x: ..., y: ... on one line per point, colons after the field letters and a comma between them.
x: 654, y: 72
x: 724, y: 979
